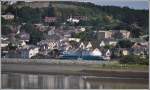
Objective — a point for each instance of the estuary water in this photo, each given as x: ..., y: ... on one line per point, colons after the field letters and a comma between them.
x: 45, y: 81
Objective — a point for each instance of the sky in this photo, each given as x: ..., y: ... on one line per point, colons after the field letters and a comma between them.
x: 138, y: 4
x: 135, y: 4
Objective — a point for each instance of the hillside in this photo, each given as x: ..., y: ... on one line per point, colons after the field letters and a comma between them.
x: 101, y: 17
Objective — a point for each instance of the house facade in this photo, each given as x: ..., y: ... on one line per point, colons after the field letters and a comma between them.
x: 8, y: 17
x: 29, y: 52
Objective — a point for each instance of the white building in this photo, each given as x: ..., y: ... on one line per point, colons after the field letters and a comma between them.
x: 74, y: 39
x: 96, y: 52
x: 4, y: 42
x: 82, y: 29
x: 22, y: 43
x: 8, y: 16
x: 113, y: 43
x: 51, y: 32
x: 125, y: 33
x: 89, y: 45
x: 28, y: 52
x: 82, y: 45
x: 102, y: 44
x: 4, y: 45
x: 108, y: 54
x: 73, y: 20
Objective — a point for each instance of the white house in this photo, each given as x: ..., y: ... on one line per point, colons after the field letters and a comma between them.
x: 4, y: 45
x: 74, y: 39
x: 125, y: 33
x: 102, y: 44
x: 73, y: 20
x: 53, y: 45
x: 8, y: 16
x: 51, y: 32
x: 96, y: 52
x: 82, y: 45
x: 89, y: 45
x: 113, y: 43
x: 22, y: 43
x: 108, y: 54
x: 82, y: 29
x: 29, y: 52
x: 4, y: 38
x: 4, y: 42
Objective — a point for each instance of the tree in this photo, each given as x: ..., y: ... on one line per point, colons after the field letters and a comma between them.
x: 12, y: 46
x: 35, y: 35
x: 133, y: 59
x: 50, y: 10
x: 54, y: 53
x: 136, y: 30
x: 146, y: 38
x: 5, y: 30
x: 125, y: 44
x: 28, y: 14
x: 108, y: 46
x: 73, y: 43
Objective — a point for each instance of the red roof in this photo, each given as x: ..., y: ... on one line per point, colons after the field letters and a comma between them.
x: 50, y: 19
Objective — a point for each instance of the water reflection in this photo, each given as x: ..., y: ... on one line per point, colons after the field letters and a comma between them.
x: 35, y: 81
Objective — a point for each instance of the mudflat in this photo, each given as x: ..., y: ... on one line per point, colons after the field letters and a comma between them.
x: 71, y: 69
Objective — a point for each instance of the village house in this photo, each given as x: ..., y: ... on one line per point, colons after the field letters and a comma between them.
x: 110, y: 42
x: 120, y: 34
x: 40, y: 27
x: 125, y: 52
x: 24, y: 36
x: 8, y: 16
x: 43, y: 49
x: 4, y: 38
x: 22, y: 43
x: 4, y: 47
x: 96, y: 52
x: 103, y: 34
x: 125, y: 33
x: 116, y: 34
x: 51, y: 32
x: 89, y: 46
x: 102, y: 44
x: 4, y: 42
x: 84, y: 18
x: 82, y: 29
x: 50, y: 19
x: 74, y: 39
x: 113, y: 43
x: 29, y: 51
x: 48, y: 44
x: 82, y: 46
x: 138, y: 49
x: 73, y: 20
x: 107, y: 55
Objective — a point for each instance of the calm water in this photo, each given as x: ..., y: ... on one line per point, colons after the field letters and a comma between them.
x: 41, y: 81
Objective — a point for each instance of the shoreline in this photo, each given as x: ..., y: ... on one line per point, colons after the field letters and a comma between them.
x: 83, y: 70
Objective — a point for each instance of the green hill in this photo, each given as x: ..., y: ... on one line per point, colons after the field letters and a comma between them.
x: 101, y: 17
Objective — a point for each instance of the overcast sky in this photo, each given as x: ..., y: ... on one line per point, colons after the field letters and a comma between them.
x: 136, y: 4
x: 140, y: 4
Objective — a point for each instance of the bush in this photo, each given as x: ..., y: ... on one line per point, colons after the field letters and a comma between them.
x: 125, y: 43
x: 144, y: 61
x: 133, y: 59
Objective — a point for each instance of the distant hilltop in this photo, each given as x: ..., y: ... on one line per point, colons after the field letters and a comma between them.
x: 102, y: 17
